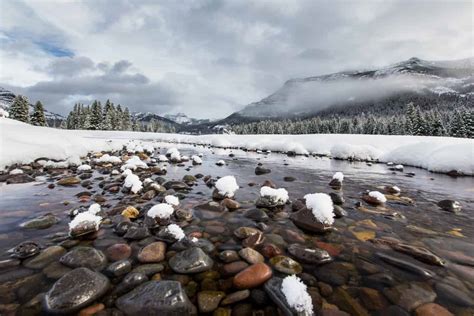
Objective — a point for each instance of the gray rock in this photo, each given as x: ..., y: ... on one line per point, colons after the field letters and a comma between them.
x: 309, y: 255
x: 305, y: 220
x: 273, y: 289
x: 75, y: 290
x: 193, y: 260
x: 41, y: 222
x: 163, y: 298
x: 87, y: 257
x: 405, y: 265
x: 45, y: 257
x: 450, y: 206
x: 410, y: 295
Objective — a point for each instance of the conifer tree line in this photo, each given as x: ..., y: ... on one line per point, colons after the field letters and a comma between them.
x: 434, y: 122
x: 98, y: 117
x: 20, y: 110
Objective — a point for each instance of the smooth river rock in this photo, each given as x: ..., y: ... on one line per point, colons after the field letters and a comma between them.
x: 192, y: 260
x: 87, y: 257
x: 253, y: 276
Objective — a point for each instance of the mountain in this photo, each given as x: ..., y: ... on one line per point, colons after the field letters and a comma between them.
x: 388, y: 89
x: 6, y: 100
x: 183, y: 119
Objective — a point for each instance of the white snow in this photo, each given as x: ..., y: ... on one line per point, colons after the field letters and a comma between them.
x: 172, y: 200
x: 172, y: 150
x: 4, y: 113
x: 378, y: 196
x: 134, y: 163
x: 279, y: 196
x: 16, y: 171
x: 175, y: 156
x: 133, y: 182
x: 108, y: 159
x: 296, y: 294
x: 220, y: 163
x: 85, y: 217
x: 176, y: 231
x: 23, y: 143
x: 226, y: 186
x: 321, y: 206
x: 162, y: 158
x: 84, y: 167
x: 398, y: 167
x: 162, y: 210
x: 339, y: 176
x: 94, y: 209
x: 196, y: 159
x: 127, y: 172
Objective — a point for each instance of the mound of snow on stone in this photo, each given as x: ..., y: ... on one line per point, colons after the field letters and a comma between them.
x: 296, y: 295
x: 321, y: 206
x: 162, y: 210
x: 176, y: 231
x: 279, y: 196
x: 226, y: 186
x: 172, y: 200
x: 85, y: 217
x: 378, y: 196
x: 338, y: 176
x: 133, y: 182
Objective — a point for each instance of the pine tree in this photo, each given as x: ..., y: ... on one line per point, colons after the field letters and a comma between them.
x: 468, y: 120
x: 126, y: 120
x: 117, y: 123
x: 38, y: 118
x: 19, y: 110
x: 96, y: 116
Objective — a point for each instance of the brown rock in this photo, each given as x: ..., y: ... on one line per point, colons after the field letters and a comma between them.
x: 118, y: 252
x: 69, y: 181
x: 234, y: 267
x: 130, y: 212
x: 432, y: 309
x: 92, y: 310
x: 372, y: 299
x: 252, y: 276
x: 154, y: 252
x: 251, y: 256
x: 230, y: 204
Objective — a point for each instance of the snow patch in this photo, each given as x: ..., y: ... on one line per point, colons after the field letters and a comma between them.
x: 85, y: 217
x: 378, y: 196
x: 196, y: 159
x: 84, y: 168
x: 279, y: 196
x: 162, y: 210
x: 172, y: 200
x: 321, y: 206
x: 133, y: 182
x: 338, y: 176
x: 94, y: 209
x: 16, y: 171
x: 226, y: 186
x: 134, y: 163
x: 296, y: 295
x: 108, y: 159
x: 176, y: 231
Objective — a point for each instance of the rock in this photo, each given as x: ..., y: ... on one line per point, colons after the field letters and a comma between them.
x: 347, y: 303
x: 130, y: 212
x: 183, y: 215
x: 261, y: 170
x: 75, y: 290
x: 305, y: 220
x: 257, y: 214
x: 337, y: 198
x: 245, y: 232
x: 253, y: 276
x: 308, y: 255
x: 119, y: 268
x: 432, y: 309
x: 87, y: 257
x: 19, y: 178
x: 41, y: 222
x: 450, y: 206
x: 68, y: 181
x: 129, y: 282
x: 371, y: 200
x: 410, y: 295
x: 339, y: 212
x: 45, y: 257
x: 289, y: 179
x: 363, y: 235
x: 235, y: 297
x: 156, y: 298
x: 208, y: 301
x: 118, y: 252
x: 55, y: 270
x: 137, y: 233
x: 286, y: 265
x: 230, y: 204
x: 273, y: 289
x: 154, y: 252
x: 192, y: 260
x: 372, y: 299
x: 176, y: 185
x: 254, y: 240
x: 457, y: 294
x: 269, y: 250
x: 229, y: 256
x: 420, y: 253
x: 25, y: 249
x: 405, y: 265
x: 149, y: 269
x: 335, y: 273
x: 335, y: 184
x: 92, y: 310
x: 250, y: 255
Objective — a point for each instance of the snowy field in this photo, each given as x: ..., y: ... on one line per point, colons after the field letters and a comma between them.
x: 23, y: 143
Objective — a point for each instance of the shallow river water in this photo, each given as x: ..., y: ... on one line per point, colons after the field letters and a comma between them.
x: 366, y: 276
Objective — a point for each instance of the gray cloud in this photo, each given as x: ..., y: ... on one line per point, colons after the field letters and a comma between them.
x: 210, y: 58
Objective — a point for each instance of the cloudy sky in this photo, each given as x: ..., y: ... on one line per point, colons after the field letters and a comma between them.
x: 209, y: 58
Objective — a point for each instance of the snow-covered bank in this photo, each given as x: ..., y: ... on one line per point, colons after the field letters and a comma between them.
x: 20, y: 142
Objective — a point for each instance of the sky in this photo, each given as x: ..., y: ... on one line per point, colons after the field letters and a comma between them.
x: 209, y: 58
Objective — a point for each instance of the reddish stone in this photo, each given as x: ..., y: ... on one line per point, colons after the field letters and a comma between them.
x: 118, y: 252
x: 253, y: 276
x: 333, y: 250
x: 432, y: 309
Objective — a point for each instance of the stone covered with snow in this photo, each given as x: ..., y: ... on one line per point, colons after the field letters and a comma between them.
x: 321, y: 206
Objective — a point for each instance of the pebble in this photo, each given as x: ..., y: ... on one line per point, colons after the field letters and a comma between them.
x: 229, y: 256
x: 25, y: 249
x: 149, y: 269
x: 192, y: 260
x: 235, y: 297
x: 75, y: 290
x: 156, y: 298
x: 232, y: 268
x: 410, y: 295
x: 119, y: 268
x: 45, y: 257
x: 305, y: 220
x: 87, y: 257
x: 286, y: 265
x: 253, y: 276
x: 154, y: 252
x: 250, y: 255
x: 208, y: 301
x: 308, y: 255
x: 118, y: 252
x: 130, y: 212
x: 450, y: 206
x: 69, y: 181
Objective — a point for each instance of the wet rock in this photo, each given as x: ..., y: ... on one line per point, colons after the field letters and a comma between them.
x: 84, y: 228
x: 183, y: 215
x: 69, y: 181
x: 308, y: 255
x: 86, y: 257
x: 176, y: 185
x: 254, y: 240
x: 372, y: 299
x: 130, y: 212
x: 235, y: 297
x: 450, y: 206
x: 234, y: 267
x: 154, y: 252
x: 55, y: 270
x: 335, y: 184
x: 253, y: 276
x: 229, y: 256
x: 149, y: 269
x: 390, y: 189
x: 420, y: 253
x: 45, y: 257
x: 9, y: 263
x: 371, y: 200
x: 92, y: 310
x: 286, y: 265
x: 289, y: 179
x: 75, y: 290
x: 119, y: 268
x: 305, y: 220
x: 230, y: 204
x: 339, y: 212
x: 42, y: 222
x: 347, y: 303
x: 192, y: 260
x: 245, y: 232
x: 269, y: 250
x: 273, y: 289
x: 129, y: 282
x: 19, y: 178
x: 156, y: 298
x: 337, y: 198
x: 250, y: 255
x: 431, y: 309
x: 118, y: 252
x: 137, y: 233
x: 208, y: 301
x: 335, y: 273
x: 25, y: 249
x: 405, y: 265
x: 257, y: 214
x: 259, y: 170
x: 410, y: 295
x: 454, y: 292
